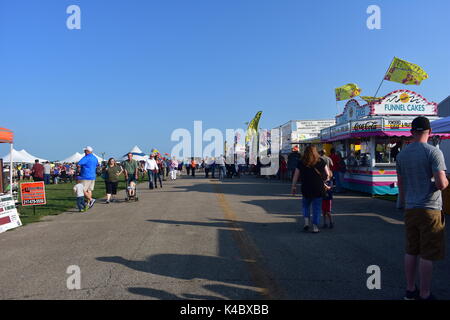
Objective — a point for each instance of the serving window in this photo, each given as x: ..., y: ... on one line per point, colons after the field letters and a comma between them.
x: 359, y: 153
x: 387, y: 149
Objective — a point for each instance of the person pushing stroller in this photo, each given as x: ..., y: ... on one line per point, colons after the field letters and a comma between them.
x: 131, y: 171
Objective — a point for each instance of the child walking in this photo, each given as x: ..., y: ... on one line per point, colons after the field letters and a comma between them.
x: 78, y: 189
x: 326, y: 206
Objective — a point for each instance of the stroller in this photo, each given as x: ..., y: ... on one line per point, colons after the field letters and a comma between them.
x: 132, y: 192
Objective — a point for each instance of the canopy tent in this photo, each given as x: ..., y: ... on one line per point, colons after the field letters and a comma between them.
x: 100, y: 159
x: 441, y: 125
x: 7, y: 136
x: 23, y: 151
x: 137, y: 154
x: 18, y: 156
x: 73, y: 158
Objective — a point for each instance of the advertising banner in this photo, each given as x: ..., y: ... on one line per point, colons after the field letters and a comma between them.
x: 9, y: 217
x: 33, y: 193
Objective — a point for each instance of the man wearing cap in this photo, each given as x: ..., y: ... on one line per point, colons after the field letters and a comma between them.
x: 421, y: 177
x: 88, y: 167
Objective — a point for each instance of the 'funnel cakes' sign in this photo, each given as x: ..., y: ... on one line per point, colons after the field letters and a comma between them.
x: 403, y: 102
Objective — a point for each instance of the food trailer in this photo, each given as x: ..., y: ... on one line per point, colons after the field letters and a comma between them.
x: 370, y: 136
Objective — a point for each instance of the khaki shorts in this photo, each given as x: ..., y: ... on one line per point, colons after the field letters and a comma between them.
x: 425, y: 233
x: 88, y: 185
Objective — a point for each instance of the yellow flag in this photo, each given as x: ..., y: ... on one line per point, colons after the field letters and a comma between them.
x: 347, y: 92
x: 405, y: 72
x: 371, y: 99
x: 253, y: 127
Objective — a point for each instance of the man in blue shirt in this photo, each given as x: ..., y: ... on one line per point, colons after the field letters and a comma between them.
x: 88, y: 166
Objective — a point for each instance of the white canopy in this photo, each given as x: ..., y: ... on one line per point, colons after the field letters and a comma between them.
x: 137, y: 154
x: 23, y: 151
x: 18, y: 157
x: 73, y: 158
x: 21, y: 156
x: 100, y: 159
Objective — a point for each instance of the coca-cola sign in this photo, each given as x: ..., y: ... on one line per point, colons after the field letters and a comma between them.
x: 369, y: 125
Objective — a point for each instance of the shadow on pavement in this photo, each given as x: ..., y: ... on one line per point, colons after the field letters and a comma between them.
x: 189, y: 267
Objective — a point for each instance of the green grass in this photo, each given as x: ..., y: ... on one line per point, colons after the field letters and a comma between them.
x: 60, y: 198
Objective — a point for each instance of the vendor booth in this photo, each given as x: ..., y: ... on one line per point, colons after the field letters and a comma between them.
x: 370, y: 136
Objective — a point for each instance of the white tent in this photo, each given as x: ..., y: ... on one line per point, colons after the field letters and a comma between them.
x: 100, y: 159
x: 24, y: 152
x: 73, y: 158
x: 137, y: 154
x: 18, y: 156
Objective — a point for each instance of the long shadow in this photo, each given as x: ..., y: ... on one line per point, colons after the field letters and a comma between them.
x: 189, y: 267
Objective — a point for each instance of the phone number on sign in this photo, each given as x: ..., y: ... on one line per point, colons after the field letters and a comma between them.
x: 34, y: 201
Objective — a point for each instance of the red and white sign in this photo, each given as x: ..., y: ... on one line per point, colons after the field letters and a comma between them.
x: 33, y: 193
x: 9, y: 217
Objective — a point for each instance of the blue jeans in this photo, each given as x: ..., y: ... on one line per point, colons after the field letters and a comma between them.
x: 80, y: 203
x: 316, y: 208
x: 338, y: 179
x: 46, y: 178
x: 151, y: 178
x: 222, y: 172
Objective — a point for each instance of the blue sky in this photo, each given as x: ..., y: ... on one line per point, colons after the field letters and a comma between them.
x: 138, y: 69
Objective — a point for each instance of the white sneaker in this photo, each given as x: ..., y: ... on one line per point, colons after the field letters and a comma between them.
x: 91, y: 203
x: 315, y: 229
x: 306, y: 226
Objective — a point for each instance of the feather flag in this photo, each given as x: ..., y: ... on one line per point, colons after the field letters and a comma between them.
x: 253, y: 126
x: 348, y: 91
x: 405, y: 72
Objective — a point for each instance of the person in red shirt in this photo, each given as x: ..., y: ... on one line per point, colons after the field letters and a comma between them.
x: 336, y: 168
x: 37, y: 171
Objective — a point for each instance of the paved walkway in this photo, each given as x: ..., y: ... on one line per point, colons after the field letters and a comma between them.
x: 203, y: 239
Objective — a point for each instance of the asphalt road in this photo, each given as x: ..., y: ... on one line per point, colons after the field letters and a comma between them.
x: 204, y: 239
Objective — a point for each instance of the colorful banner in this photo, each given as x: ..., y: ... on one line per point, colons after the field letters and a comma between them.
x: 33, y: 193
x: 370, y: 99
x: 253, y: 127
x: 9, y: 217
x: 346, y: 92
x: 405, y: 72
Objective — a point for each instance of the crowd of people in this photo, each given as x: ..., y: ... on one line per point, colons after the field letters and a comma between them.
x: 50, y: 173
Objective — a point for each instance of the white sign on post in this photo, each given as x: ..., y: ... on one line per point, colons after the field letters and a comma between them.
x: 9, y: 217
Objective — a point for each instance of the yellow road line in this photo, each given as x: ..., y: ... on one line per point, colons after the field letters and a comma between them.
x: 250, y: 254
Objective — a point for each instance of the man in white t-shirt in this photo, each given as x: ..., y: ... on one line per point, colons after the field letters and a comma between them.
x: 152, y: 169
x: 47, y: 169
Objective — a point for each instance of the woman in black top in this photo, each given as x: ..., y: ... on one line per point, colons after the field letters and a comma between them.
x: 313, y: 173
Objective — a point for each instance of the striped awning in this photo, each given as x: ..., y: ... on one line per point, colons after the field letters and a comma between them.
x: 6, y: 136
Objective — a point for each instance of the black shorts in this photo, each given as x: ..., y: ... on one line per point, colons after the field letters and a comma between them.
x: 111, y: 187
